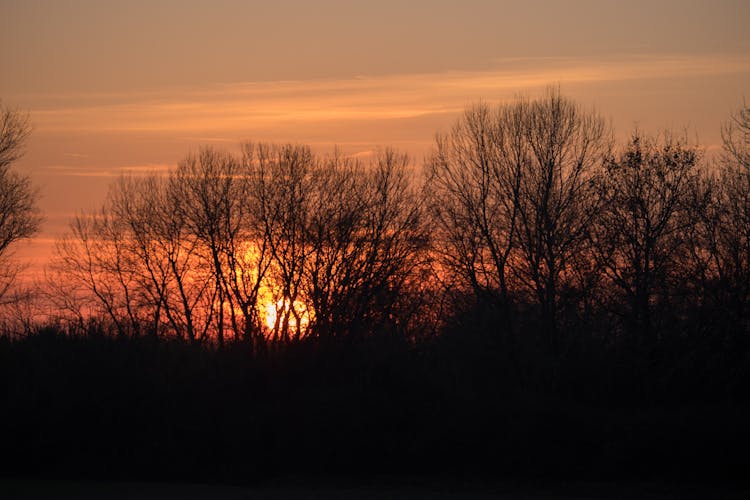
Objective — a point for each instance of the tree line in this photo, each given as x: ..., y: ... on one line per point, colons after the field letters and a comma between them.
x: 534, y: 301
x: 536, y: 207
x: 527, y: 224
x: 273, y: 245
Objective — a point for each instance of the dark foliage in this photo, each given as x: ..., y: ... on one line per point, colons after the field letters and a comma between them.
x: 101, y: 406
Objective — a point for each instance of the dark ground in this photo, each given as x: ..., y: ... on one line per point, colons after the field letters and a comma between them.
x: 101, y: 417
x: 372, y: 490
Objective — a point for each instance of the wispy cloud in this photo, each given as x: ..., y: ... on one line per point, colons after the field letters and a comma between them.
x: 228, y: 108
x: 75, y: 171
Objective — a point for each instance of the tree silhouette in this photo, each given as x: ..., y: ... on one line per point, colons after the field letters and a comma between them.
x: 206, y: 250
x: 581, y: 308
x: 640, y: 229
x: 720, y: 232
x: 735, y: 134
x: 19, y: 216
x: 473, y: 190
x: 513, y: 194
x: 563, y: 150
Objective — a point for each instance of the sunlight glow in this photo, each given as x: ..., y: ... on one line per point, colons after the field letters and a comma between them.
x: 276, y: 312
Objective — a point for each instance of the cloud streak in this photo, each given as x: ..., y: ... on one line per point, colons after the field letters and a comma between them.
x: 236, y: 108
x: 156, y: 168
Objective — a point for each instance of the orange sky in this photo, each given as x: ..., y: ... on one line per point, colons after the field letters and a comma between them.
x: 137, y: 85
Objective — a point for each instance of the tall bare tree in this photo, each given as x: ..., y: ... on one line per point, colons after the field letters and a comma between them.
x: 720, y: 230
x: 14, y: 130
x: 473, y: 192
x: 328, y: 245
x: 512, y: 193
x: 366, y: 238
x: 137, y: 261
x: 206, y: 185
x: 248, y: 250
x: 640, y: 231
x: 95, y: 262
x: 19, y: 215
x: 335, y: 239
x: 735, y: 134
x: 285, y: 191
x: 564, y: 148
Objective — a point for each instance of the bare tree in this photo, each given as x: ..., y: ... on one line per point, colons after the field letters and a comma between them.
x: 720, y: 233
x: 735, y: 134
x: 731, y: 253
x: 641, y: 227
x: 334, y: 236
x: 396, y: 238
x: 564, y: 148
x: 366, y: 238
x: 207, y: 189
x: 329, y: 246
x: 19, y: 216
x: 473, y: 188
x: 511, y: 192
x: 130, y: 207
x: 135, y: 260
x: 93, y: 261
x: 14, y: 130
x: 248, y: 251
x: 166, y: 257
x: 285, y: 190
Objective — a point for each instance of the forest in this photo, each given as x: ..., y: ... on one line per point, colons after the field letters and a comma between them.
x: 534, y: 299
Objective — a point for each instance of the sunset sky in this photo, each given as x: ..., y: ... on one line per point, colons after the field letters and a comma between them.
x: 134, y: 86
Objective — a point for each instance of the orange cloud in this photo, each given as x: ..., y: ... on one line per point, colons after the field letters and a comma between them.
x: 236, y: 108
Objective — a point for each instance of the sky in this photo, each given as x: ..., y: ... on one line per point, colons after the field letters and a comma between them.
x: 135, y: 86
